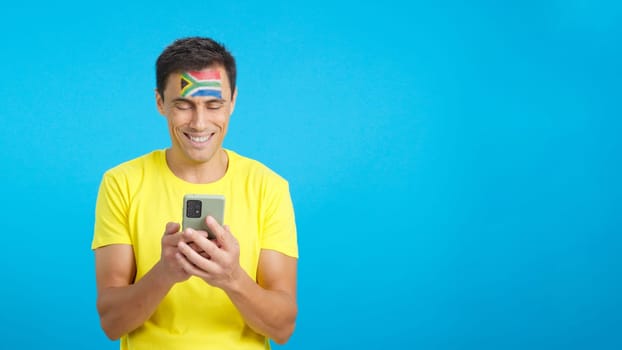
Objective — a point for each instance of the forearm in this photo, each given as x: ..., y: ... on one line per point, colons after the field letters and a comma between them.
x: 123, y: 309
x: 268, y: 312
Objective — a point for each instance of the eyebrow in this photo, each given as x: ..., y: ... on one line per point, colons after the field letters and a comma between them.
x: 181, y: 99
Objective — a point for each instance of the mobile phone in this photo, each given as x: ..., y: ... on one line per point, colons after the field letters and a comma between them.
x: 198, y: 206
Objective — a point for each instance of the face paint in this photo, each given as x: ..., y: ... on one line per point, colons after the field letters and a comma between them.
x: 201, y: 83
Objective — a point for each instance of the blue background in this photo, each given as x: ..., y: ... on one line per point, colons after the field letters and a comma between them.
x: 455, y: 167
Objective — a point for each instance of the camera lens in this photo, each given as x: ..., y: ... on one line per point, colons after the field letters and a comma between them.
x: 193, y: 208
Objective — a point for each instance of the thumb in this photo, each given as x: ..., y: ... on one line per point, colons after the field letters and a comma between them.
x: 171, y: 227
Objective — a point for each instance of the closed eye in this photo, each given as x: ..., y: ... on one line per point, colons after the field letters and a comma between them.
x: 214, y: 104
x: 182, y: 105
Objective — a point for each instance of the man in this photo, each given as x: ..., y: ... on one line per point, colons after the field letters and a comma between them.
x: 181, y: 290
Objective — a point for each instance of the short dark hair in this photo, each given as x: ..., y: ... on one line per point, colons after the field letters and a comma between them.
x: 194, y: 53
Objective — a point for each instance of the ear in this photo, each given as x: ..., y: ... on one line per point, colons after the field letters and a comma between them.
x: 233, y: 99
x: 159, y: 102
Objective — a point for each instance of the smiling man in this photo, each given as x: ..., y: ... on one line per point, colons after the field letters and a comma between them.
x: 163, y: 288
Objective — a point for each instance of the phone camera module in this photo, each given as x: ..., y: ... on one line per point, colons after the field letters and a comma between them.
x: 193, y: 208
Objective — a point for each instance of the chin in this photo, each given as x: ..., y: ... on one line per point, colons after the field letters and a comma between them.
x: 201, y: 157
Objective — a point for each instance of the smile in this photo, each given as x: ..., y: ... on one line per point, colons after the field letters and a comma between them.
x: 199, y: 139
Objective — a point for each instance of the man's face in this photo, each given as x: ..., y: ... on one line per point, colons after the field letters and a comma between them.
x: 197, y: 105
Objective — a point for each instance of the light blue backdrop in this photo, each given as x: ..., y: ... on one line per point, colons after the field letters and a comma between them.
x: 455, y: 167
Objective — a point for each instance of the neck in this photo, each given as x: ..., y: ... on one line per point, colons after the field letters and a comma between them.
x: 198, y: 173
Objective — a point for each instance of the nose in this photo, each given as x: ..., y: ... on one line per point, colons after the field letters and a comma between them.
x: 200, y: 119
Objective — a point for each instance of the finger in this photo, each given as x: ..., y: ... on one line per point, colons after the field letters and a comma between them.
x: 199, y: 250
x: 171, y: 236
x: 192, y: 236
x: 187, y: 267
x: 196, y: 259
x: 171, y: 227
x: 231, y: 241
x: 195, y: 247
x: 203, y: 244
x: 218, y: 231
x: 189, y: 234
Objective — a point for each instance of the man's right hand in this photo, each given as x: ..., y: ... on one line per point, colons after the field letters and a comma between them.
x: 170, y: 266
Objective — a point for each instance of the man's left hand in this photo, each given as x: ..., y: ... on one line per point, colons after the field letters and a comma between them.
x: 216, y: 261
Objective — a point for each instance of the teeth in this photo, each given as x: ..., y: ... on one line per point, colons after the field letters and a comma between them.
x: 199, y: 138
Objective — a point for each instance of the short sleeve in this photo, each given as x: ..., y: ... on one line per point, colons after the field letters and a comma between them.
x: 111, y: 213
x: 279, y: 224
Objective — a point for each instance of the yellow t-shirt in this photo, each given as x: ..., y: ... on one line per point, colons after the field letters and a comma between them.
x: 137, y: 198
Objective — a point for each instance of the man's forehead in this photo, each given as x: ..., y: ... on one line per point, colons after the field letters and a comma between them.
x: 200, y: 83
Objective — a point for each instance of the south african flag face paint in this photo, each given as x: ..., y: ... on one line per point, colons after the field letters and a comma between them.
x: 201, y: 83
